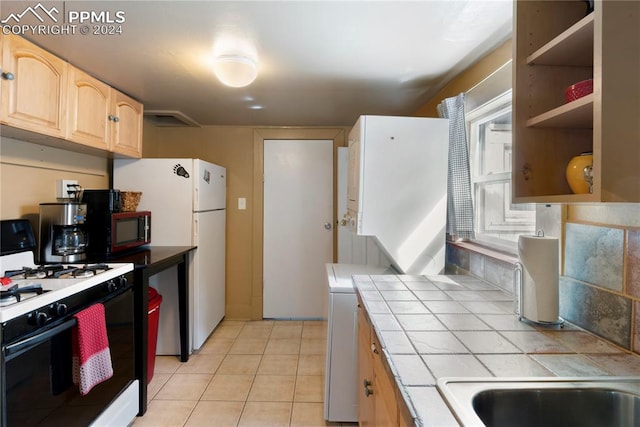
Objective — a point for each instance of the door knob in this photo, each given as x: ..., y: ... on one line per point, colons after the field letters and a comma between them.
x: 327, y: 226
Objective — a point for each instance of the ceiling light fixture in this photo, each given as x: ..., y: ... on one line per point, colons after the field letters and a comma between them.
x: 235, y: 70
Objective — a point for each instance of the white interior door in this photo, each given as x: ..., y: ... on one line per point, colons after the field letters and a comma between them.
x: 298, y: 227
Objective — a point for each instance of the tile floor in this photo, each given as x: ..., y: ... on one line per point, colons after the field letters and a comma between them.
x: 249, y: 374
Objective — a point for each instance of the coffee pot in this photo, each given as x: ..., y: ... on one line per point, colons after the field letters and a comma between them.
x: 63, y: 234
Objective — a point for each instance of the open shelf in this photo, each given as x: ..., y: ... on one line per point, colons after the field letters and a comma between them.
x: 573, y: 47
x: 577, y: 114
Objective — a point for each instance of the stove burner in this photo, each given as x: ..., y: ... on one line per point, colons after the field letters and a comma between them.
x: 12, y: 295
x: 40, y: 272
x: 80, y: 272
x: 56, y: 271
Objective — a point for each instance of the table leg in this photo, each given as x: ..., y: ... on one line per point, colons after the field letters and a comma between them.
x: 183, y: 308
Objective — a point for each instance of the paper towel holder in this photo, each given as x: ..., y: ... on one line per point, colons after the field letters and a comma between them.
x: 518, y: 303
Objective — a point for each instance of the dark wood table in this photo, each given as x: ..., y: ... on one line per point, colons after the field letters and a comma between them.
x: 149, y: 261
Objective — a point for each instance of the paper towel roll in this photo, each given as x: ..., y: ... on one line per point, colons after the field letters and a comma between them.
x: 540, y: 276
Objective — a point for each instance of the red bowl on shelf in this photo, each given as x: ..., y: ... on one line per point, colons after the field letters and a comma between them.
x: 578, y: 90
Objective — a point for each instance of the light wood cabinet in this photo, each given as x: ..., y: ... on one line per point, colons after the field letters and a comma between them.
x: 43, y: 95
x: 34, y: 88
x: 102, y: 117
x: 89, y: 105
x: 556, y: 45
x: 380, y: 403
x: 366, y: 398
x: 126, y: 125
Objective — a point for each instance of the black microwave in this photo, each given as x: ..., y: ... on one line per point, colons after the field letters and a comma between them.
x: 118, y: 231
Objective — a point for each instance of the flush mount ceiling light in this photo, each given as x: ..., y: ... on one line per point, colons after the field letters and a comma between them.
x: 235, y: 70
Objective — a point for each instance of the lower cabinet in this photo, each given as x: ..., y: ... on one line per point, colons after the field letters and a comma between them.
x: 380, y: 402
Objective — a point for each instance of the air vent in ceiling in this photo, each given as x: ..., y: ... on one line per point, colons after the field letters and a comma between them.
x: 169, y: 118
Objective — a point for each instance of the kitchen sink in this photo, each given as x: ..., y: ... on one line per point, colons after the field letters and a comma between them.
x: 547, y: 402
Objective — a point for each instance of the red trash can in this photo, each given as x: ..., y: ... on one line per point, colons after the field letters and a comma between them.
x: 155, y: 299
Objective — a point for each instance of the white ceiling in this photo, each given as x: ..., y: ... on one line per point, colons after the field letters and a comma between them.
x: 321, y: 63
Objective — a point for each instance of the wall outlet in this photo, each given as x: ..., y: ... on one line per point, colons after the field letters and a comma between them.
x: 242, y: 203
x: 62, y: 188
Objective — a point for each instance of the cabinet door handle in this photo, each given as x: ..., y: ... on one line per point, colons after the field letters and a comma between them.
x: 111, y: 117
x: 374, y: 349
x: 8, y: 76
x: 366, y: 383
x: 368, y: 392
x: 116, y: 119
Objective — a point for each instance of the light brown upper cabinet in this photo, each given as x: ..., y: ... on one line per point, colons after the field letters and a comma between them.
x: 557, y: 44
x: 34, y: 88
x: 89, y: 104
x: 126, y: 125
x: 102, y: 117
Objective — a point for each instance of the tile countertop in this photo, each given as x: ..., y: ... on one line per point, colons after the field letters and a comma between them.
x: 459, y: 326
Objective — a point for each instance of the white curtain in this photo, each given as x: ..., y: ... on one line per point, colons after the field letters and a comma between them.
x: 459, y: 199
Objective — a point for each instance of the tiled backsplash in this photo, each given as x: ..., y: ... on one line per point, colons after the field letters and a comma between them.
x: 600, y: 287
x: 600, y: 282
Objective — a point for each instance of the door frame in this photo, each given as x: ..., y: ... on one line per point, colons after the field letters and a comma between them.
x: 337, y: 135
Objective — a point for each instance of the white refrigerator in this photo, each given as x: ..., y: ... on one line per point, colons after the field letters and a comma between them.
x: 187, y: 200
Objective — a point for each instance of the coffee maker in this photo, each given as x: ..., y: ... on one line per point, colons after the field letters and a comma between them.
x: 63, y: 234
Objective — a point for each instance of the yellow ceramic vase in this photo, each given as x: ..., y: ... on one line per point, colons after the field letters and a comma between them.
x: 579, y: 173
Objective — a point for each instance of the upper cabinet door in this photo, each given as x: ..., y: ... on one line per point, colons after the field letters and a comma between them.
x: 33, y: 88
x: 88, y: 117
x: 126, y: 125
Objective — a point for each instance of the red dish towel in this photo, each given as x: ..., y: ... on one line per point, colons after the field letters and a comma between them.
x: 91, y: 355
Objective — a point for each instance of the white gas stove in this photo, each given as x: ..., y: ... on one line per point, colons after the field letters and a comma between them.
x: 27, y: 287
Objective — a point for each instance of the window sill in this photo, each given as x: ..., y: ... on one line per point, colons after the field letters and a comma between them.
x: 488, y: 252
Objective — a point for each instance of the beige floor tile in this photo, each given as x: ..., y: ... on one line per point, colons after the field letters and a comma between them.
x: 156, y: 384
x: 240, y: 364
x: 313, y: 346
x: 265, y: 414
x: 167, y: 364
x: 272, y: 388
x: 184, y: 387
x: 286, y: 330
x: 306, y: 414
x: 257, y: 329
x: 278, y: 364
x: 228, y: 330
x: 248, y: 346
x: 201, y: 364
x: 314, y: 330
x: 216, y: 345
x: 218, y: 414
x: 283, y: 346
x: 309, y: 388
x: 311, y: 364
x: 229, y: 387
x: 166, y: 413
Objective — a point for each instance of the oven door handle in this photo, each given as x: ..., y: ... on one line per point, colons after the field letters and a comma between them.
x: 14, y: 350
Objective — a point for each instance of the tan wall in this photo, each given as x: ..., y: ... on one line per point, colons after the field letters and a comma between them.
x: 468, y: 78
x: 28, y: 174
x: 235, y: 148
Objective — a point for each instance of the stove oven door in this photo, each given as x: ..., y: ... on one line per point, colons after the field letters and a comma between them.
x: 37, y: 376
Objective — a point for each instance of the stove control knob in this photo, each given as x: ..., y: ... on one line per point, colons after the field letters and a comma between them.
x: 111, y: 286
x: 59, y: 309
x: 122, y: 281
x: 41, y: 318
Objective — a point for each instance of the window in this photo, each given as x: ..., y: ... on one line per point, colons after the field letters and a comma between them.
x: 498, y: 222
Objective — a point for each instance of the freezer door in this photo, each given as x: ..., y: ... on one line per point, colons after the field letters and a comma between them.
x: 210, y: 186
x: 167, y: 188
